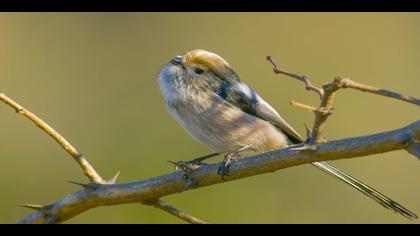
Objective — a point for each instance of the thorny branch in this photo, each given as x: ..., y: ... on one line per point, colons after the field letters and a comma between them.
x: 149, y: 191
x: 157, y: 187
x: 87, y: 168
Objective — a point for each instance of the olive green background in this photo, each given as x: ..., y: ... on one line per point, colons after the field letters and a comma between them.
x: 92, y: 76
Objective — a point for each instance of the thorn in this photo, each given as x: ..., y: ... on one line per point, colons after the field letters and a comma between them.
x: 33, y: 207
x: 114, y: 179
x: 176, y: 164
x: 85, y: 186
x: 184, y: 166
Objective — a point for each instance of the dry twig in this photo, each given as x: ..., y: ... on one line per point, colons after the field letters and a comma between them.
x: 175, y: 212
x: 327, y: 93
x: 304, y: 79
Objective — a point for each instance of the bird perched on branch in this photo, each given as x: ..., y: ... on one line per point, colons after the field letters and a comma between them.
x: 207, y: 98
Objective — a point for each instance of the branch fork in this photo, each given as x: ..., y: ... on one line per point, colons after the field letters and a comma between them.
x: 326, y: 94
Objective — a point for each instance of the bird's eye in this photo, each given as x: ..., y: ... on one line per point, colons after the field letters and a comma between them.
x: 198, y: 71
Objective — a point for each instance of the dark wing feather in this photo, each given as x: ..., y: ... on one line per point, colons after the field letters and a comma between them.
x: 242, y: 96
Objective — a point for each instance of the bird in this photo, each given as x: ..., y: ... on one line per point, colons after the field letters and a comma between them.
x: 210, y: 101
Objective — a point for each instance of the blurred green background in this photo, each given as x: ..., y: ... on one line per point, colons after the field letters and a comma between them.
x: 92, y: 76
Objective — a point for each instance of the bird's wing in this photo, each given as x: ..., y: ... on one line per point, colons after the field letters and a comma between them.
x: 239, y: 94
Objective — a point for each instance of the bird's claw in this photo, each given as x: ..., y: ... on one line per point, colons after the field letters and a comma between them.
x: 187, y: 167
x: 224, y: 170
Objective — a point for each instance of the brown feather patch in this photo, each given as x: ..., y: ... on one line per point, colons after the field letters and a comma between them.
x: 205, y: 60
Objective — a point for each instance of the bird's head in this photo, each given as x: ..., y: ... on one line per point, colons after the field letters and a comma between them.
x: 197, y: 70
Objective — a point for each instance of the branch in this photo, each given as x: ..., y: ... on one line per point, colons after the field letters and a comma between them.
x: 327, y: 100
x: 87, y: 168
x: 347, y: 83
x: 302, y: 78
x: 174, y: 211
x: 327, y: 93
x: 157, y: 187
x: 309, y: 107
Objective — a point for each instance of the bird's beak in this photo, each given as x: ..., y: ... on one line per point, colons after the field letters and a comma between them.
x: 177, y: 61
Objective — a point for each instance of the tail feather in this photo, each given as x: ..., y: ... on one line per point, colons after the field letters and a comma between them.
x: 367, y: 190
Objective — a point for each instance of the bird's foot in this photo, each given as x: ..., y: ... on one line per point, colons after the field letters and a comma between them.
x: 188, y: 166
x: 224, y: 168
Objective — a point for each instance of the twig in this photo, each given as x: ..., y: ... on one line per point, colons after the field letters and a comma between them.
x: 87, y: 168
x: 338, y: 83
x: 175, y: 212
x: 327, y: 93
x: 171, y: 183
x: 304, y: 79
x: 309, y: 107
x: 348, y: 83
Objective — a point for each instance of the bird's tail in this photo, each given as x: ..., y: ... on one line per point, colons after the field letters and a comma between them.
x: 365, y: 189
